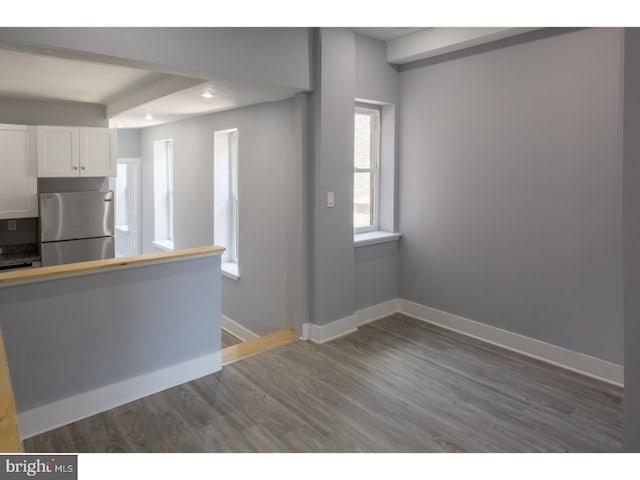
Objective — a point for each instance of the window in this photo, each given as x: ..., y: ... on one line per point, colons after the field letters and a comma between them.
x: 226, y: 199
x: 126, y: 187
x: 366, y: 169
x: 375, y: 174
x: 163, y: 194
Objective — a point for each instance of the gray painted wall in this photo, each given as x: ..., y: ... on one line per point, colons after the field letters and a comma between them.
x: 38, y: 112
x: 128, y: 143
x: 511, y: 177
x: 332, y: 269
x: 26, y: 232
x: 267, y: 295
x: 377, y: 266
x: 375, y: 79
x: 631, y: 240
x: 377, y: 274
x: 68, y: 336
x: 278, y: 56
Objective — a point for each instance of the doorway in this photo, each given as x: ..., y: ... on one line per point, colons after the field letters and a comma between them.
x: 127, y: 193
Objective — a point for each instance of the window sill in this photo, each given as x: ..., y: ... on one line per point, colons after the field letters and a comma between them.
x: 373, y: 238
x: 230, y: 270
x: 166, y: 245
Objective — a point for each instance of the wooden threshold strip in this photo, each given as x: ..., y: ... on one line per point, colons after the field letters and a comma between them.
x: 10, y: 441
x: 257, y: 345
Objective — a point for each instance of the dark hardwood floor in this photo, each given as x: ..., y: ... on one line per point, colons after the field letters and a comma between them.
x: 229, y: 340
x: 396, y: 385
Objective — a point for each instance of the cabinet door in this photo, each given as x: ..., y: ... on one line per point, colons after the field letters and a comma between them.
x: 18, y: 182
x: 98, y: 157
x: 58, y: 151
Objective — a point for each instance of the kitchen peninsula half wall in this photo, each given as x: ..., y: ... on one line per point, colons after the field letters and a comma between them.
x: 83, y: 338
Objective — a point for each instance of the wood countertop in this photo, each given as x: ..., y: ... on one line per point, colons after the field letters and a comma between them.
x: 45, y: 273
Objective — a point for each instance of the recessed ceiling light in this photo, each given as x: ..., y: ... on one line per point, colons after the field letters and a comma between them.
x: 208, y: 93
x: 148, y: 116
x: 120, y: 125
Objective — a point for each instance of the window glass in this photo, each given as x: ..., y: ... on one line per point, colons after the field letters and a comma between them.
x: 366, y: 169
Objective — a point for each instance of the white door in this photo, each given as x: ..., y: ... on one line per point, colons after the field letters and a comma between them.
x: 126, y: 186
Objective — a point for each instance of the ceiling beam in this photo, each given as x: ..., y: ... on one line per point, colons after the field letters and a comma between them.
x: 440, y: 40
x: 150, y: 88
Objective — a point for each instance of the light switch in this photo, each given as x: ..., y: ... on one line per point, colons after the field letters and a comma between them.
x: 11, y: 224
x: 331, y: 200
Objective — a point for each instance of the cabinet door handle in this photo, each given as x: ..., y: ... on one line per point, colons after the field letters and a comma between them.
x: 82, y: 167
x: 75, y: 168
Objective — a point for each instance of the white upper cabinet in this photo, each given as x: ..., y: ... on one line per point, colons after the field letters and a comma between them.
x: 18, y: 181
x: 98, y: 156
x: 58, y: 151
x: 77, y: 152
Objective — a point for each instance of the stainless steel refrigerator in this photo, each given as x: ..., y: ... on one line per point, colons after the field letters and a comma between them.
x: 76, y: 227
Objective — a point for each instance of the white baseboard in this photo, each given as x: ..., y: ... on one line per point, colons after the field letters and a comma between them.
x: 237, y: 330
x: 330, y: 331
x: 530, y: 347
x: 344, y: 326
x: 68, y: 410
x: 547, y: 352
x: 376, y: 312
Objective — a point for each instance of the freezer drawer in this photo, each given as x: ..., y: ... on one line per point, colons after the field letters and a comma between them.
x: 72, y: 251
x: 70, y: 216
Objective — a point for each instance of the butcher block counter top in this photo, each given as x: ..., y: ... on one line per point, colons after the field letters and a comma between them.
x: 46, y: 273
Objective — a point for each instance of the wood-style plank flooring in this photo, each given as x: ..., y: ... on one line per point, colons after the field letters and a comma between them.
x: 396, y: 385
x: 229, y: 340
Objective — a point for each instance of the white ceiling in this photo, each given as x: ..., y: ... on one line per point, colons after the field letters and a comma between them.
x: 386, y: 33
x: 129, y: 94
x: 189, y: 102
x: 432, y: 42
x: 26, y: 75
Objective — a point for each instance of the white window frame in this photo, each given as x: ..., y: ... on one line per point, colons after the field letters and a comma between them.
x: 374, y: 112
x: 226, y: 200
x: 163, y: 194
